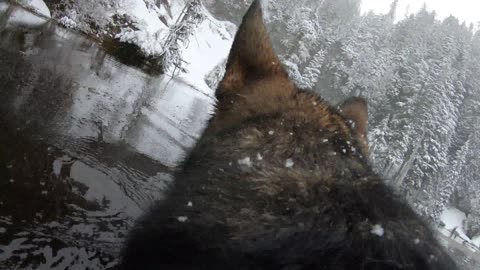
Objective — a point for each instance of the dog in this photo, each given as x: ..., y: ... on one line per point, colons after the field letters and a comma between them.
x: 280, y: 180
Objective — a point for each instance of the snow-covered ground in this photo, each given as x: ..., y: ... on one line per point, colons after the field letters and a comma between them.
x: 3, y: 7
x: 37, y: 5
x: 208, y: 46
x: 140, y: 22
x: 147, y: 25
x: 150, y: 32
x: 454, y: 219
x: 476, y: 241
x: 24, y: 17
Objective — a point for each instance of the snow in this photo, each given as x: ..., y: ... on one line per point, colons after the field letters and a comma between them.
x: 190, y: 204
x: 209, y: 46
x: 23, y: 17
x: 476, y: 241
x: 57, y: 167
x: 150, y: 43
x: 453, y: 218
x: 13, y: 247
x: 289, y: 163
x: 67, y: 258
x: 150, y: 32
x: 139, y: 10
x: 378, y: 230
x: 182, y: 219
x: 3, y: 7
x: 264, y: 5
x: 67, y: 22
x: 271, y: 132
x: 85, y: 230
x: 245, y: 162
x: 259, y: 157
x: 37, y: 5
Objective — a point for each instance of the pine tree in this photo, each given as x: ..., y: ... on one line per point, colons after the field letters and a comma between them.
x: 191, y: 16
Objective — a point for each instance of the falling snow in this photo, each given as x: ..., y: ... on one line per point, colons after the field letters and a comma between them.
x: 378, y: 230
x: 182, y: 219
x: 289, y: 163
x: 245, y: 162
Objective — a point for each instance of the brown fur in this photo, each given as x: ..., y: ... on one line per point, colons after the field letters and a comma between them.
x: 279, y: 180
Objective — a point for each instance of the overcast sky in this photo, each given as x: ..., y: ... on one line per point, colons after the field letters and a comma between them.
x: 465, y: 10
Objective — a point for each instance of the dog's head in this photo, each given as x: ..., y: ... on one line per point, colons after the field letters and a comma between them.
x: 255, y: 83
x: 279, y: 181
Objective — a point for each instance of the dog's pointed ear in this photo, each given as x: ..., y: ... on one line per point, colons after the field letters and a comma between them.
x: 251, y: 56
x: 355, y: 110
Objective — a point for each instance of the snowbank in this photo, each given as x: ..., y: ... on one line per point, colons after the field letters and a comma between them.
x: 208, y: 47
x: 38, y: 6
x: 149, y: 32
x: 476, y: 241
x: 453, y: 219
x: 3, y: 7
x: 144, y: 24
x: 24, y: 17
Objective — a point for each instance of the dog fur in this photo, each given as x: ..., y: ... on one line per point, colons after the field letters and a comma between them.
x: 280, y: 180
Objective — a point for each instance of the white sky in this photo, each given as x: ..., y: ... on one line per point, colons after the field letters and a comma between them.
x: 465, y: 10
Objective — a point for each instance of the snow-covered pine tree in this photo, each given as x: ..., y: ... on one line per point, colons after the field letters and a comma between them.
x: 311, y: 72
x: 191, y: 16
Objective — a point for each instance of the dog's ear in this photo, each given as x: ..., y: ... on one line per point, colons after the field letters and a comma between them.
x: 355, y: 110
x: 252, y: 56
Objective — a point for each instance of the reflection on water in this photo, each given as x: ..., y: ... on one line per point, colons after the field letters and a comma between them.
x: 86, y: 144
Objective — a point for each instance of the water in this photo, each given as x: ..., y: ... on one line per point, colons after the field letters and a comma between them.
x: 86, y: 144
